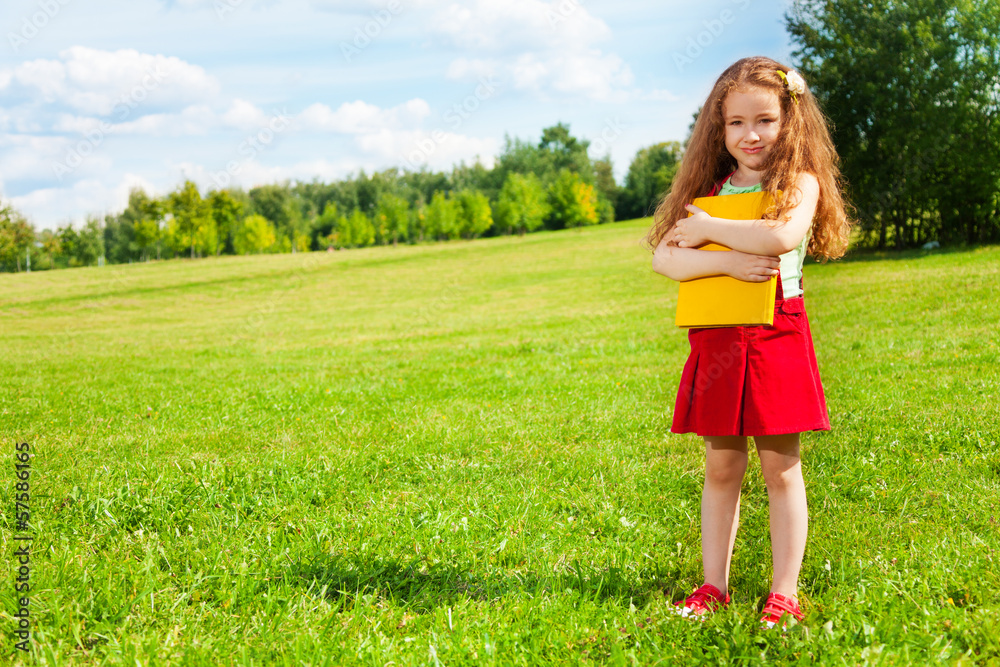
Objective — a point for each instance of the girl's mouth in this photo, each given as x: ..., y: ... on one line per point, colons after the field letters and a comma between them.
x: 752, y: 151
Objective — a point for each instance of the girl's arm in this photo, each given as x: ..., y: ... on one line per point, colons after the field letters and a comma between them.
x: 762, y: 237
x: 687, y: 263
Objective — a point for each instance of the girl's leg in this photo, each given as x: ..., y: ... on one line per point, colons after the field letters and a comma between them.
x: 786, y: 492
x: 725, y: 465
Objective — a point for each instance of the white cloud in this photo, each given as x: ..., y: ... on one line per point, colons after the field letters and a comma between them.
x: 103, y: 83
x: 547, y: 47
x: 437, y: 149
x: 519, y: 25
x: 52, y: 207
x: 194, y: 120
x: 590, y: 74
x: 29, y: 157
x: 363, y: 118
x: 465, y: 68
x: 244, y: 115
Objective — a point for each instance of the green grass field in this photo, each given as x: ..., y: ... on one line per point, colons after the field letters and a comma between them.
x: 459, y: 454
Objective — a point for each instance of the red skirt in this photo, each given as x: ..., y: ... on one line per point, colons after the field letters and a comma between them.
x: 759, y: 380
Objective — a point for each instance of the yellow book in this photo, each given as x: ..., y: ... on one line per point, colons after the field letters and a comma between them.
x: 723, y: 301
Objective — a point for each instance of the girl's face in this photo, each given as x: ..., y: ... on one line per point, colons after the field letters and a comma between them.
x: 753, y: 119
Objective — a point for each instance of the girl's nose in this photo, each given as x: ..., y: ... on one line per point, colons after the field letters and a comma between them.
x: 752, y: 136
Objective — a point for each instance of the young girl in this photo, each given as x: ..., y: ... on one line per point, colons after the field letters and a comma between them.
x: 759, y: 130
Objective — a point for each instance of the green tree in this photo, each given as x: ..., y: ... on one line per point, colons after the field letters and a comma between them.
x: 144, y: 213
x: 911, y: 90
x: 254, y: 235
x: 608, y: 191
x: 280, y: 205
x: 16, y: 235
x: 83, y: 247
x: 522, y: 205
x: 392, y: 217
x: 475, y: 217
x: 557, y: 150
x: 192, y: 225
x: 562, y: 151
x: 441, y: 217
x: 356, y: 230
x: 649, y: 177
x: 574, y: 202
x: 226, y: 211
x: 324, y: 227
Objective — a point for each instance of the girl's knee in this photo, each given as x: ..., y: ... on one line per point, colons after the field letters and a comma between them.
x: 725, y: 473
x: 778, y: 479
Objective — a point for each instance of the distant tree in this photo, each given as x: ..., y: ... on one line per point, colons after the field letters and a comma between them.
x: 392, y: 218
x: 51, y: 251
x: 474, y: 214
x: 474, y: 177
x: 573, y: 202
x: 649, y: 177
x: 119, y: 239
x: 144, y: 213
x: 83, y: 247
x: 226, y: 211
x: 254, y: 235
x: 608, y: 191
x: 16, y: 235
x: 562, y: 151
x: 360, y: 230
x: 192, y: 225
x: 557, y: 150
x: 522, y: 205
x: 441, y: 217
x: 325, y: 226
x: 283, y: 209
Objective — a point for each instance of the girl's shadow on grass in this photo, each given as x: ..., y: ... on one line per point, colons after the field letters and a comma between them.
x: 344, y: 579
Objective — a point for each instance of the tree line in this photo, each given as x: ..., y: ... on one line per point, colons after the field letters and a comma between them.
x: 549, y: 184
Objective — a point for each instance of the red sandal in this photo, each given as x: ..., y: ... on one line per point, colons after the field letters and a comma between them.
x: 706, y: 599
x: 776, y: 607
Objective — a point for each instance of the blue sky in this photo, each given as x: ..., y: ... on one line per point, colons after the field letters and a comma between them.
x: 99, y: 96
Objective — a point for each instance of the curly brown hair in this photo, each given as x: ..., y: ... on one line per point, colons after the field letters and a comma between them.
x: 803, y: 146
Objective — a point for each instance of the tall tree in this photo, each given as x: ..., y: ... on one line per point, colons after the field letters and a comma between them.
x: 16, y: 235
x: 392, y: 218
x: 192, y: 225
x: 522, y: 205
x: 441, y: 217
x: 474, y: 213
x: 573, y: 202
x: 649, y: 177
x: 226, y: 211
x: 911, y: 90
x: 144, y: 213
x: 253, y: 235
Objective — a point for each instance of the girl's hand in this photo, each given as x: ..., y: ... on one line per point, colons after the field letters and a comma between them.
x: 751, y: 268
x: 689, y: 232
